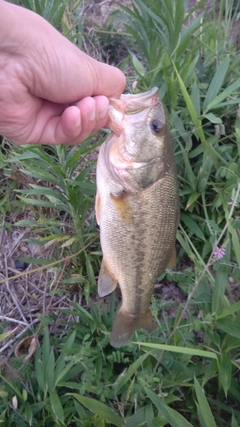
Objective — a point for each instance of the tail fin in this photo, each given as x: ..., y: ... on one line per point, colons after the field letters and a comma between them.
x: 125, y: 324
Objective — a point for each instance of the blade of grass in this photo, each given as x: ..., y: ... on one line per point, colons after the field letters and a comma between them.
x: 176, y: 349
x: 216, y: 82
x: 204, y: 408
x: 172, y: 416
x: 123, y: 378
x: 100, y: 409
x: 196, y: 121
x: 227, y: 92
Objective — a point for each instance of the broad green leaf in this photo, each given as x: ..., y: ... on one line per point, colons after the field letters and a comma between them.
x: 37, y: 202
x: 15, y: 389
x: 195, y: 97
x: 192, y: 226
x: 82, y: 311
x: 200, y: 417
x: 229, y: 310
x: 69, y: 242
x: 218, y: 298
x: 43, y: 191
x: 45, y: 353
x: 6, y: 334
x: 137, y: 420
x: 172, y: 416
x: 26, y: 223
x: 190, y: 176
x: 178, y: 349
x: 210, y: 371
x: 192, y: 199
x: 149, y: 414
x: 90, y: 271
x: 40, y: 371
x: 212, y: 118
x: 4, y: 200
x: 230, y: 328
x: 25, y: 156
x: 197, y: 123
x: 28, y: 413
x: 234, y: 422
x: 138, y: 65
x: 216, y: 82
x: 41, y: 174
x: 205, y: 170
x: 50, y: 371
x: 225, y: 371
x: 56, y: 406
x: 3, y: 417
x: 124, y: 377
x: 100, y: 409
x: 227, y: 92
x: 204, y: 407
x: 235, y: 242
x: 64, y: 371
x: 3, y: 395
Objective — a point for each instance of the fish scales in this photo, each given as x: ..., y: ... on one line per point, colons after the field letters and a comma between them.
x: 138, y: 221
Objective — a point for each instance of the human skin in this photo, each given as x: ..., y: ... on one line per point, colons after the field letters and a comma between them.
x: 50, y: 91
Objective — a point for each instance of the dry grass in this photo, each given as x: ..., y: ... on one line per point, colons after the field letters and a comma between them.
x: 26, y: 297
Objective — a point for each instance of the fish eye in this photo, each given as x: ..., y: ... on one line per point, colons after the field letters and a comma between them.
x: 156, y: 126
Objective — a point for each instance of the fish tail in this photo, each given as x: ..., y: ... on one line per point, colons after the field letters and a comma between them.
x: 125, y: 324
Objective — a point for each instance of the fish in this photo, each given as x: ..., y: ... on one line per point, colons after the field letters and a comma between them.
x: 137, y: 208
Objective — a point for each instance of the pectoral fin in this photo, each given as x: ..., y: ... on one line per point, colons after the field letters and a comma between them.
x: 106, y: 281
x: 98, y: 208
x: 123, y: 209
x: 173, y: 259
x: 125, y: 324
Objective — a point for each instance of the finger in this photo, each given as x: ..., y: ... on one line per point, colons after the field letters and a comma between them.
x: 77, y: 122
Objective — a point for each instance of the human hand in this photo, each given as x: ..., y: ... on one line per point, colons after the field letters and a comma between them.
x: 50, y: 91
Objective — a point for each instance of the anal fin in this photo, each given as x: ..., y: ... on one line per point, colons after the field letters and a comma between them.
x: 106, y: 280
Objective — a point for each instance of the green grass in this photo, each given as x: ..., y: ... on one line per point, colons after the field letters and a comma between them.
x: 185, y: 372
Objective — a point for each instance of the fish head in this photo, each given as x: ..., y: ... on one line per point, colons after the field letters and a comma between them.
x: 141, y: 139
x: 141, y: 122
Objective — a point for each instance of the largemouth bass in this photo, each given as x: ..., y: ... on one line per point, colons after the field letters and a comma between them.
x: 136, y: 208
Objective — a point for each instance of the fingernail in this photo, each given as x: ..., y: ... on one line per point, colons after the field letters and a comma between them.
x: 92, y: 115
x: 104, y: 112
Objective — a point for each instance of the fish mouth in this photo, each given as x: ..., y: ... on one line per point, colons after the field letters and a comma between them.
x: 135, y: 103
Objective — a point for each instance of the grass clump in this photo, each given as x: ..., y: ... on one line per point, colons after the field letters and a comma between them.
x: 185, y: 372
